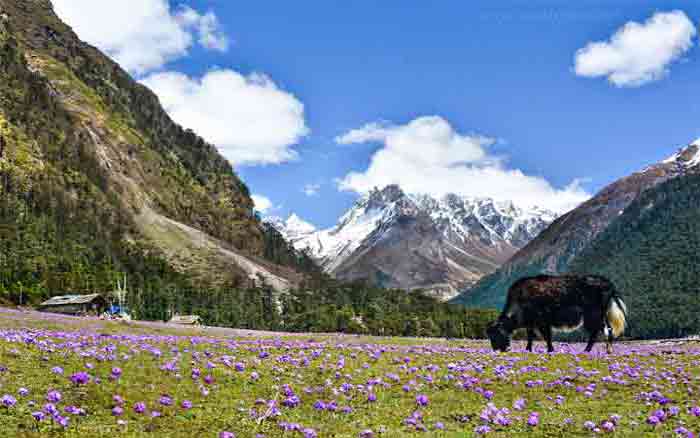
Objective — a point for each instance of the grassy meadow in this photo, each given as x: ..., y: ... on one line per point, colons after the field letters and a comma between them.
x: 62, y: 376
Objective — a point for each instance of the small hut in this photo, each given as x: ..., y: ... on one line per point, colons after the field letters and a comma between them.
x: 192, y: 320
x: 93, y: 304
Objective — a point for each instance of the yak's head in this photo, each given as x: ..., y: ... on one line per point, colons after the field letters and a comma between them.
x: 499, y: 335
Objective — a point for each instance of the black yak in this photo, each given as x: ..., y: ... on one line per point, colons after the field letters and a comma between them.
x: 545, y: 303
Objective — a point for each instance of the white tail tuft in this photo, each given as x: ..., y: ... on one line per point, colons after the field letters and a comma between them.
x: 616, y: 316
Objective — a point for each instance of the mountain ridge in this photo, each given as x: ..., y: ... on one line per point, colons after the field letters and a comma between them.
x: 417, y: 241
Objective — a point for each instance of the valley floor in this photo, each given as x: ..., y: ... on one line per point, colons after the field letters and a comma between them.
x: 64, y: 376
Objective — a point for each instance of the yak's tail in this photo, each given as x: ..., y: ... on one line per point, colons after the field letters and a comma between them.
x: 616, y: 315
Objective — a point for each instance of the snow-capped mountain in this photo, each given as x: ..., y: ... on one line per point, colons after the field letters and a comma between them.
x: 687, y: 157
x: 293, y: 229
x: 417, y: 241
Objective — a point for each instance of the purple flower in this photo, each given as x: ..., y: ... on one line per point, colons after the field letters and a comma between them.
x: 8, y: 401
x: 186, y: 404
x: 165, y: 400
x: 367, y: 433
x: 519, y: 404
x: 23, y: 392
x: 53, y: 396
x: 292, y: 401
x: 116, y: 372
x: 422, y: 400
x: 371, y: 397
x: 695, y: 411
x: 589, y: 425
x: 226, y: 434
x: 80, y: 378
x: 38, y: 415
x: 309, y: 433
x: 62, y: 421
x: 140, y: 407
x: 653, y: 420
x: 57, y: 370
x: 73, y: 410
x: 681, y: 431
x: 534, y: 419
x: 608, y: 426
x: 50, y: 409
x: 117, y: 411
x: 482, y: 430
x: 439, y: 425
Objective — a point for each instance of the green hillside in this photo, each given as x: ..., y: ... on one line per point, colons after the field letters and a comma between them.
x: 91, y: 166
x: 652, y: 253
x: 490, y: 291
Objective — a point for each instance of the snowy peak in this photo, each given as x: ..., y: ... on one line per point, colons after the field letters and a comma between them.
x: 387, y: 195
x: 687, y: 157
x: 298, y: 225
x: 293, y: 228
x: 418, y: 240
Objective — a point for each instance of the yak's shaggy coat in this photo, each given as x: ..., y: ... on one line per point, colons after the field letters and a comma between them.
x: 545, y: 303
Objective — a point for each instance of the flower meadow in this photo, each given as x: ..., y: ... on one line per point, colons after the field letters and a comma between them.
x: 60, y: 377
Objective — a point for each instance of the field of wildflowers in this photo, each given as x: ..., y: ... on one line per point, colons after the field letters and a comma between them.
x: 63, y: 376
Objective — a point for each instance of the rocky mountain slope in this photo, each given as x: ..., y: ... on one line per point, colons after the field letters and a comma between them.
x: 557, y: 246
x: 88, y: 152
x: 401, y: 240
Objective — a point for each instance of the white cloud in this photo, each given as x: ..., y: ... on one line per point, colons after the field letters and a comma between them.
x: 638, y: 53
x: 262, y: 203
x: 311, y: 189
x: 141, y: 35
x: 370, y: 132
x: 211, y: 35
x: 428, y: 156
x: 249, y: 118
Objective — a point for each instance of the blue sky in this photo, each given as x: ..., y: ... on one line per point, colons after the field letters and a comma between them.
x: 499, y: 79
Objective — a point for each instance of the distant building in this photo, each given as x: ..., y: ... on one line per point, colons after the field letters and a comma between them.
x: 186, y: 320
x: 93, y: 304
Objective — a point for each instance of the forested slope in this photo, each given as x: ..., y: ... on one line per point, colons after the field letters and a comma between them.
x: 652, y: 253
x: 96, y: 180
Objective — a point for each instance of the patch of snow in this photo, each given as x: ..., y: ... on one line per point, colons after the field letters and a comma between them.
x: 682, y: 157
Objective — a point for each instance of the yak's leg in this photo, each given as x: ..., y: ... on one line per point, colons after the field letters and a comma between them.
x: 546, y: 332
x: 530, y: 338
x: 591, y: 340
x: 609, y: 339
x: 593, y: 322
